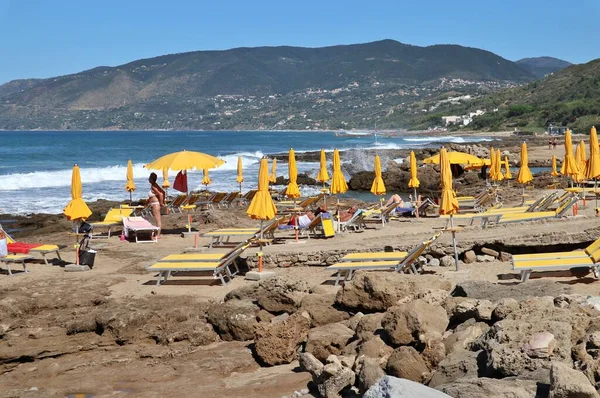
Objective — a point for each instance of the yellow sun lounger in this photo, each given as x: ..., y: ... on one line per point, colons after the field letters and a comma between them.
x: 223, y: 236
x: 374, y: 256
x: 41, y: 249
x: 496, y: 219
x: 527, y: 263
x: 15, y: 258
x: 220, y: 268
x: 400, y: 265
x: 113, y: 218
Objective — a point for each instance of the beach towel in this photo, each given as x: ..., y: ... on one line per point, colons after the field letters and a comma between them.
x: 180, y: 182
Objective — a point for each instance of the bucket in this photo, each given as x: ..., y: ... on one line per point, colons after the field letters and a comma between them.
x: 87, y: 257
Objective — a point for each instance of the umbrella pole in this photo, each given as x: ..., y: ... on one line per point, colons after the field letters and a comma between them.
x: 130, y: 198
x: 595, y: 193
x: 454, y: 240
x: 418, y: 204
x: 260, y: 254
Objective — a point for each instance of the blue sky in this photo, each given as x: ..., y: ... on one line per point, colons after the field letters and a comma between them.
x: 42, y: 38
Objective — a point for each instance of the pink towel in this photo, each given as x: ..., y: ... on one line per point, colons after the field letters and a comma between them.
x: 137, y: 223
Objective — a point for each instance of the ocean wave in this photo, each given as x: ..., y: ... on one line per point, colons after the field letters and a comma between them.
x: 248, y: 159
x: 456, y: 140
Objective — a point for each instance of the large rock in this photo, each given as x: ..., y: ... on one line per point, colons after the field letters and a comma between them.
x: 368, y: 373
x: 458, y: 365
x: 375, y: 348
x: 463, y: 308
x: 566, y: 382
x: 434, y: 351
x: 494, y: 292
x: 469, y: 257
x: 327, y: 340
x: 281, y: 294
x: 330, y: 378
x: 234, y: 319
x: 369, y: 325
x: 404, y: 324
x: 277, y: 343
x: 506, y: 346
x: 393, y: 387
x: 321, y: 309
x: 378, y: 291
x: 490, y: 388
x: 407, y: 363
x: 464, y: 335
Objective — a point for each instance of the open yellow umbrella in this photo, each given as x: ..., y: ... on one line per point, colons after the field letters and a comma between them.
x: 185, y: 160
x: 273, y: 176
x: 323, y: 175
x: 166, y: 184
x: 569, y: 166
x: 240, y: 173
x: 205, y: 178
x: 455, y: 158
x: 130, y: 186
x: 492, y: 171
x: 507, y: 173
x: 338, y: 183
x: 580, y: 158
x: 378, y: 187
x: 498, y: 158
x: 592, y: 169
x: 292, y: 190
x: 554, y: 172
x: 76, y: 209
x: 448, y: 201
x: 524, y: 176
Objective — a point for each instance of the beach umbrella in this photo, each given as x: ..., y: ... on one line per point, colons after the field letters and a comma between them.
x: 524, y: 176
x: 448, y: 201
x: 186, y: 160
x: 323, y: 175
x: 240, y: 173
x: 592, y: 169
x: 580, y: 158
x: 414, y: 181
x: 292, y: 190
x: 498, y: 158
x: 166, y: 184
x: 205, y: 178
x: 130, y: 186
x: 554, y: 173
x: 378, y: 187
x: 569, y: 166
x: 492, y: 171
x: 262, y: 206
x: 507, y: 173
x: 338, y: 183
x: 273, y: 176
x: 455, y: 158
x: 76, y: 209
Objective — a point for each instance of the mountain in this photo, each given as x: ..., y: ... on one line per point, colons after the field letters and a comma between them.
x: 542, y: 66
x: 569, y: 97
x: 182, y: 90
x: 16, y: 86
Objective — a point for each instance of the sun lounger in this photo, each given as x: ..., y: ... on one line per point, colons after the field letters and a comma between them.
x: 15, y: 258
x: 355, y: 223
x: 248, y: 196
x: 374, y: 256
x: 15, y: 248
x: 230, y: 198
x: 138, y: 227
x: 113, y: 218
x: 304, y: 204
x: 220, y: 268
x: 406, y: 263
x: 174, y: 205
x: 496, y: 219
x: 223, y: 236
x: 383, y: 214
x: 589, y: 257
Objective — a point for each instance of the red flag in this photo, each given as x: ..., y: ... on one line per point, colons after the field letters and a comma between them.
x: 180, y: 183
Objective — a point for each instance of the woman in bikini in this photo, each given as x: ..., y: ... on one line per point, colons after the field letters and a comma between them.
x: 156, y: 199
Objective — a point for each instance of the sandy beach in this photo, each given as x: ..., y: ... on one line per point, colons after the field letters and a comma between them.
x: 144, y: 340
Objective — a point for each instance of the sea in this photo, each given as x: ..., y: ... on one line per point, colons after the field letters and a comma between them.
x: 35, y: 167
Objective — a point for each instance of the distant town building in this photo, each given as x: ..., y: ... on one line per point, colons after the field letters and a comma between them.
x: 556, y: 130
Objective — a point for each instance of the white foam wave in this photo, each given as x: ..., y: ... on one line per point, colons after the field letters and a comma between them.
x: 456, y: 140
x: 248, y: 159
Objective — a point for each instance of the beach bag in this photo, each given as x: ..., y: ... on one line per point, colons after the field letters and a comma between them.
x: 85, y: 228
x: 3, y: 248
x: 180, y: 182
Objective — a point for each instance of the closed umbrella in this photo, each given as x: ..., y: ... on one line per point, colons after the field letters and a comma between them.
x: 524, y: 176
x: 205, y: 178
x: 262, y: 206
x: 338, y: 183
x: 498, y: 158
x: 448, y: 201
x: 273, y: 176
x: 507, y: 173
x: 414, y: 181
x: 323, y: 175
x: 292, y: 190
x: 240, y: 173
x: 569, y: 166
x: 76, y: 209
x: 593, y: 165
x: 554, y: 172
x: 166, y: 184
x: 130, y: 186
x: 378, y: 186
x: 492, y: 171
x: 580, y: 158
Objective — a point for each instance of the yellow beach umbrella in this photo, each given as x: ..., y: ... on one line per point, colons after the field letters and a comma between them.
x: 130, y: 186
x: 554, y: 173
x: 455, y: 158
x: 338, y: 183
x: 499, y: 175
x: 273, y: 176
x: 323, y: 175
x: 414, y: 181
x: 524, y: 175
x: 205, y: 178
x: 507, y: 173
x: 185, y: 160
x: 492, y: 164
x: 76, y: 209
x: 580, y: 158
x: 448, y: 201
x: 292, y: 190
x: 262, y: 206
x: 593, y: 164
x: 378, y: 187
x: 240, y: 173
x: 166, y: 184
x: 569, y: 166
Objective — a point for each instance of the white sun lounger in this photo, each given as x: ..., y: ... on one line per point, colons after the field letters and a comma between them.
x: 137, y: 227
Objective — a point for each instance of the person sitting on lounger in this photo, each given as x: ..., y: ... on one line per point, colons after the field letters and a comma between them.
x: 305, y: 219
x: 401, y: 205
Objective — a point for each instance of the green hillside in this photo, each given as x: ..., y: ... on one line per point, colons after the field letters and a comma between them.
x: 542, y: 66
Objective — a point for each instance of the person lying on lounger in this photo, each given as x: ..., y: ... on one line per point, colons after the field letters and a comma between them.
x: 305, y: 219
x: 401, y: 205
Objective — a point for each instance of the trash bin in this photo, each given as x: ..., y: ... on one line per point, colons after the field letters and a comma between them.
x: 87, y: 257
